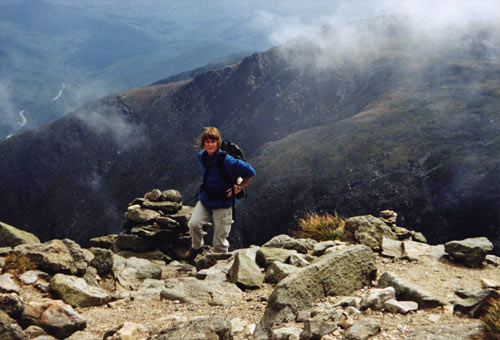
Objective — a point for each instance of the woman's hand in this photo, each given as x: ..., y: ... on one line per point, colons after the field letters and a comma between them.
x: 237, y: 189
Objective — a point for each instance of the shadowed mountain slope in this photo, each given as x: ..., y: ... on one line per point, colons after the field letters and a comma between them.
x: 346, y: 129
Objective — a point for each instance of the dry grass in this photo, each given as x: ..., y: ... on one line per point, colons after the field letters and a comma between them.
x: 321, y: 227
x: 18, y: 263
x: 491, y: 319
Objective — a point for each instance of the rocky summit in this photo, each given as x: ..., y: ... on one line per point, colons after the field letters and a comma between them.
x: 381, y: 282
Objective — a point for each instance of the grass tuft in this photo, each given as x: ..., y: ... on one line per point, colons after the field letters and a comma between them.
x: 19, y: 263
x: 321, y: 227
x: 491, y: 319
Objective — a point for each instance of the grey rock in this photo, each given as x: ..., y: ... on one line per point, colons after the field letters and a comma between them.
x: 245, y: 272
x: 470, y: 252
x: 151, y: 288
x: 59, y: 256
x: 401, y: 307
x: 80, y: 335
x: 419, y: 237
x: 147, y: 255
x: 11, y: 304
x: 7, y: 285
x: 457, y: 332
x: 368, y: 230
x: 216, y: 328
x: 320, y: 247
x: 266, y: 255
x: 183, y: 215
x: 134, y: 243
x: 142, y: 216
x: 285, y: 333
x: 362, y: 329
x: 126, y: 331
x: 54, y: 316
x: 208, y: 259
x: 392, y: 248
x: 172, y: 196
x: 413, y: 250
x: 194, y: 291
x: 129, y: 273
x: 323, y: 320
x: 286, y: 242
x: 277, y: 271
x: 166, y: 222
x: 298, y: 260
x: 338, y: 273
x: 102, y: 261
x: 349, y: 301
x: 11, y: 236
x: 105, y: 242
x: 76, y: 292
x: 165, y: 207
x: 218, y: 271
x: 91, y: 276
x: 493, y: 259
x: 376, y: 297
x: 32, y: 276
x: 34, y: 331
x: 407, y: 291
x: 9, y: 329
x: 154, y: 195
x: 474, y: 304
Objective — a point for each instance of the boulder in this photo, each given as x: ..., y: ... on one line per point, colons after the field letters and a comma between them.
x: 32, y: 276
x: 413, y: 250
x: 7, y: 285
x: 286, y: 242
x: 172, y: 196
x: 129, y: 273
x: 474, y: 301
x: 320, y: 247
x: 11, y: 236
x: 76, y: 292
x: 105, y: 242
x: 164, y: 206
x: 323, y: 320
x: 277, y: 271
x: 407, y: 291
x: 362, y: 329
x: 56, y: 256
x: 81, y: 335
x: 392, y: 248
x: 154, y: 195
x: 266, y: 255
x: 368, y: 230
x: 219, y: 271
x: 102, y: 261
x: 134, y: 242
x: 401, y: 307
x: 245, y: 273
x: 142, y: 216
x: 183, y: 215
x: 299, y: 260
x: 286, y: 333
x: 127, y: 331
x: 338, y: 273
x: 470, y: 252
x: 216, y: 328
x: 9, y: 329
x: 376, y: 297
x: 11, y: 304
x: 455, y: 332
x: 194, y: 291
x: 54, y: 316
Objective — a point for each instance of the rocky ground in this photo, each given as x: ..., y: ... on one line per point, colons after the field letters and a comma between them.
x: 439, y: 277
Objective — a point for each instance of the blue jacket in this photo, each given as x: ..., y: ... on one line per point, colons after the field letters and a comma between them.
x: 234, y: 167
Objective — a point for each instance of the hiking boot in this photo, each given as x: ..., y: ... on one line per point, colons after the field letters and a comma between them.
x: 192, y: 253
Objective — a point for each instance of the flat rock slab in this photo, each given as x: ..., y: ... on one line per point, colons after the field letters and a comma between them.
x: 457, y: 332
x: 194, y: 291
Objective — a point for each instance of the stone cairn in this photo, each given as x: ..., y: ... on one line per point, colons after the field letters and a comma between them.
x: 156, y: 227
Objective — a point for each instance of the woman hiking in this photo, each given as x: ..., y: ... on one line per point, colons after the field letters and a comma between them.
x: 215, y: 197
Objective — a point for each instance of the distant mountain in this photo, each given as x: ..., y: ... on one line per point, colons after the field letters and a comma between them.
x: 380, y: 121
x: 57, y: 55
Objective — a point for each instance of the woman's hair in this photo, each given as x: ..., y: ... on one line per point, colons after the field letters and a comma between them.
x: 209, y: 133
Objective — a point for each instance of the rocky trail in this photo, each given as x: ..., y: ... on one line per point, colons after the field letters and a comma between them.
x: 383, y: 283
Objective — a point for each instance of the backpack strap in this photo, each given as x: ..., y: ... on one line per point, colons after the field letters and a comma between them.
x: 221, y: 167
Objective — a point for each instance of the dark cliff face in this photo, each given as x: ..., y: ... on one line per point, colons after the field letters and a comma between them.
x: 386, y: 131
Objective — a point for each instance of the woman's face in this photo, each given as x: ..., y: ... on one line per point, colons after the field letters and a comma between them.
x: 210, y: 146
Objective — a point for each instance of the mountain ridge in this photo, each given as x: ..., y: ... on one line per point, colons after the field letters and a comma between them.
x: 387, y: 130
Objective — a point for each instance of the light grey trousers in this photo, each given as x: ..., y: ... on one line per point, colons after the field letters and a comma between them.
x: 223, y: 218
